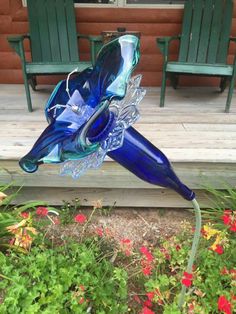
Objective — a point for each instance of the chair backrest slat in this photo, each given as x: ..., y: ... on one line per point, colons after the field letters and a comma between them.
x: 62, y: 30
x: 215, y: 31
x: 206, y: 30
x: 53, y: 30
x: 225, y: 32
x: 44, y: 30
x: 186, y: 31
x: 195, y: 30
x: 36, y: 49
x: 72, y: 34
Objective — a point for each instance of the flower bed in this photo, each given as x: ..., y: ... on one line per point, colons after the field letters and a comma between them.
x: 95, y: 272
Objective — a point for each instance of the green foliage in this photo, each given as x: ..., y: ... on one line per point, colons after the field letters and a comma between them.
x: 62, y: 280
x: 6, y: 203
x: 6, y: 219
x: 67, y: 210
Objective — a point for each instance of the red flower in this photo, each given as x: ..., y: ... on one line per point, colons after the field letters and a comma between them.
x: 224, y: 305
x: 99, y: 232
x: 56, y: 221
x: 126, y: 241
x: 177, y: 247
x: 80, y: 218
x: 186, y: 282
x: 42, y: 211
x: 233, y: 273
x: 24, y: 215
x: 147, y: 253
x: 224, y: 271
x: 233, y: 226
x: 126, y: 245
x: 148, y: 303
x: 81, y: 301
x: 143, y: 249
x: 227, y: 216
x: 150, y: 295
x: 188, y: 275
x: 165, y: 253
x: 147, y: 270
x: 203, y: 233
x: 219, y: 249
x: 82, y: 288
x: 187, y: 279
x: 137, y: 299
x: 146, y: 310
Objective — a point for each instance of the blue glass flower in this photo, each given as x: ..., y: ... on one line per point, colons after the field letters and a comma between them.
x: 90, y: 116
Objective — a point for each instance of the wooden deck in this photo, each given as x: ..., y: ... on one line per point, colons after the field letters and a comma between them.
x: 193, y: 131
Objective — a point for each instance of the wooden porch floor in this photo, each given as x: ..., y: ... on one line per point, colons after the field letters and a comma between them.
x: 193, y: 131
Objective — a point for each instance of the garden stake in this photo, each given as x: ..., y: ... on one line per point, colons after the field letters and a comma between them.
x: 197, y: 235
x: 90, y: 116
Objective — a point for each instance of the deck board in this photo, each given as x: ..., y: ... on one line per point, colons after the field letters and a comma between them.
x: 192, y: 130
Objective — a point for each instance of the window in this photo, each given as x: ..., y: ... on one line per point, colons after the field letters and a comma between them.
x: 142, y: 2
x: 127, y: 3
x: 130, y: 3
x: 96, y: 1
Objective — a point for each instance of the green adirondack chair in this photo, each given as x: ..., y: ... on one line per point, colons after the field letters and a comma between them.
x: 204, y: 45
x: 53, y: 41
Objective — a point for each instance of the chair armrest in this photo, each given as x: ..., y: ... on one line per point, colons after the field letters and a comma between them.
x: 16, y: 42
x: 164, y: 43
x: 96, y: 43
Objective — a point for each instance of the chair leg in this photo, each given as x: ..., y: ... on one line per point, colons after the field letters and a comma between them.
x: 223, y: 83
x: 174, y: 79
x: 163, y: 89
x: 33, y: 82
x: 230, y: 93
x: 27, y: 91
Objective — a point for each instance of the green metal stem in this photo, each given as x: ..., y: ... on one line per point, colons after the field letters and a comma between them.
x: 197, y: 235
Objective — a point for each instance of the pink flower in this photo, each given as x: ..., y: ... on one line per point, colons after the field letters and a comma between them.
x: 42, y: 211
x: 80, y: 218
x: 224, y: 305
x: 24, y: 215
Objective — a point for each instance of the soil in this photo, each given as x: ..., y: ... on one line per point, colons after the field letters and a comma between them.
x: 141, y: 226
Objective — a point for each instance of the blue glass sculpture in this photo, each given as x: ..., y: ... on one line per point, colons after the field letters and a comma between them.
x: 90, y: 116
